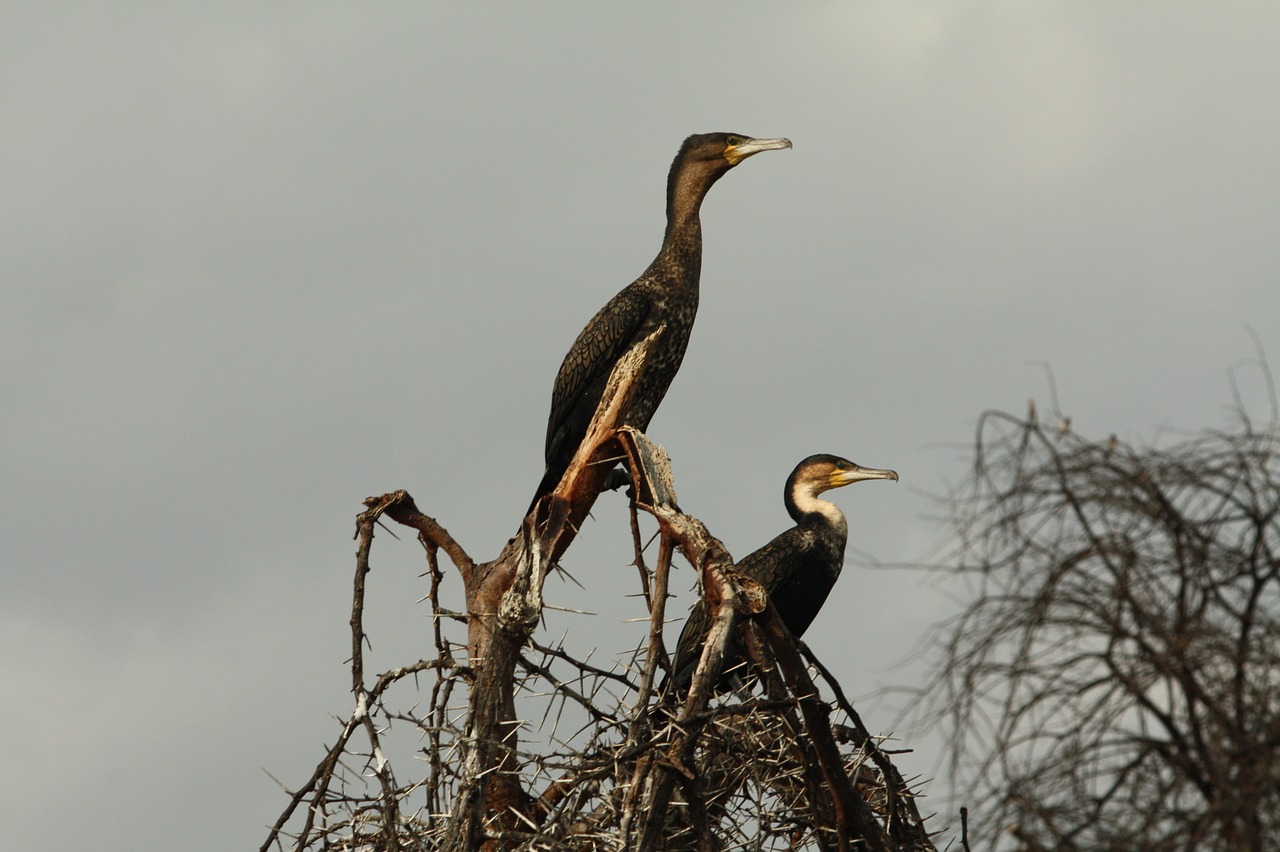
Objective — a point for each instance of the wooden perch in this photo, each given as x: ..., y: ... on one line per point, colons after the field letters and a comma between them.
x: 504, y: 602
x: 618, y: 790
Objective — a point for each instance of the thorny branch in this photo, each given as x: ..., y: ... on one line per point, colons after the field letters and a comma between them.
x: 607, y: 765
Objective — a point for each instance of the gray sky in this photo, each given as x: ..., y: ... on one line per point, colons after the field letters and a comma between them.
x: 262, y: 261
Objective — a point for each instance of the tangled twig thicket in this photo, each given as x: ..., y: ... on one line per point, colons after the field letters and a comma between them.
x: 1115, y: 682
x: 593, y: 760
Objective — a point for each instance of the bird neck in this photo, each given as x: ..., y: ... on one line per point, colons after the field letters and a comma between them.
x: 679, y: 261
x: 681, y: 255
x: 807, y: 508
x: 686, y: 187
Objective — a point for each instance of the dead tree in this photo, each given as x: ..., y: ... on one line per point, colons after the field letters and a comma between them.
x: 1115, y: 681
x: 786, y: 770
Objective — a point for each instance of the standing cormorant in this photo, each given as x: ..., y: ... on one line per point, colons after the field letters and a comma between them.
x: 798, y: 568
x: 667, y: 293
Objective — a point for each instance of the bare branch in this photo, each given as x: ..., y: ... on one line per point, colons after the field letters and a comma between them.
x: 531, y: 745
x: 1116, y: 679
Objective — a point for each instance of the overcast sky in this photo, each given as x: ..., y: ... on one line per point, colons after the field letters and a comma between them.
x: 261, y: 261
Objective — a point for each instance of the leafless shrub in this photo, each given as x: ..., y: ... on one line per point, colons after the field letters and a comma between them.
x: 1115, y: 682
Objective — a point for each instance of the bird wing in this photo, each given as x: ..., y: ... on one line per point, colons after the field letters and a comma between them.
x: 773, y: 564
x: 689, y: 648
x: 800, y: 578
x: 770, y: 566
x: 587, y: 365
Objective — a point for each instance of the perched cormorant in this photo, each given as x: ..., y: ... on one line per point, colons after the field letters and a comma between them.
x: 798, y: 568
x: 667, y: 293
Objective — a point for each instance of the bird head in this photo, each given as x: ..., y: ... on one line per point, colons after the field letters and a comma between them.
x: 738, y: 147
x: 705, y: 157
x: 820, y: 473
x: 725, y: 150
x: 823, y: 472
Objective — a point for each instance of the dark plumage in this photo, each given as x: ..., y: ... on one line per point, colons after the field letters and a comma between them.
x: 798, y: 568
x: 667, y: 293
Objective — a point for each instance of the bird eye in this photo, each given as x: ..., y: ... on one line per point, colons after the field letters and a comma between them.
x: 733, y: 141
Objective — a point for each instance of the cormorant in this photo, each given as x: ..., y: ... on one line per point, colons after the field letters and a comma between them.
x: 798, y: 568
x: 667, y: 293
